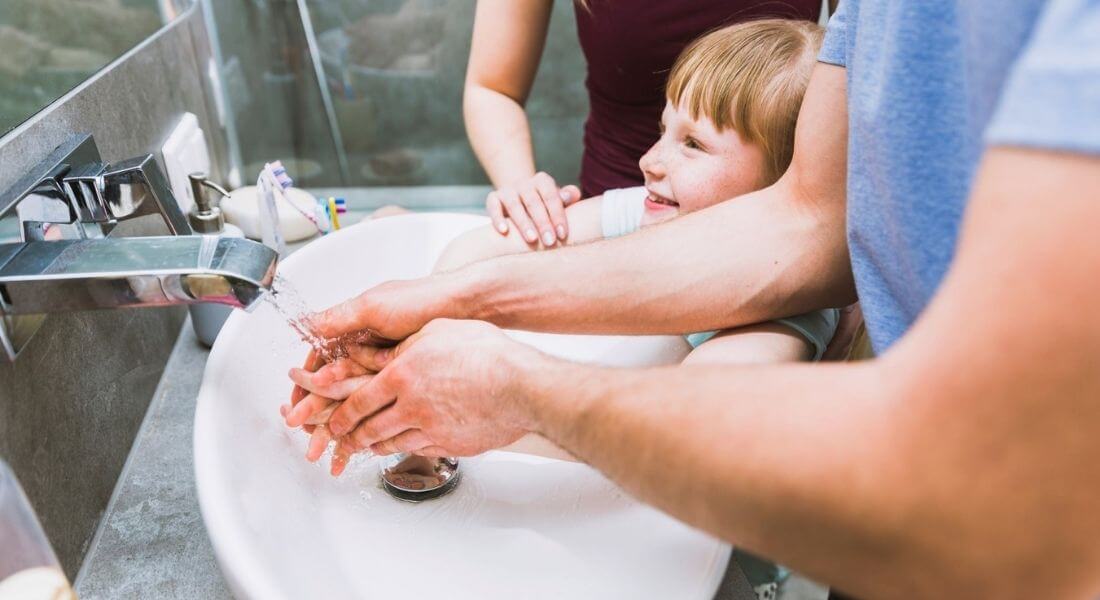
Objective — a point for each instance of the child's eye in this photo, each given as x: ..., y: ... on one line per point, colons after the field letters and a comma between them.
x: 693, y: 143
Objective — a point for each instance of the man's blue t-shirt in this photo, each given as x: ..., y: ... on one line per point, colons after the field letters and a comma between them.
x: 931, y: 83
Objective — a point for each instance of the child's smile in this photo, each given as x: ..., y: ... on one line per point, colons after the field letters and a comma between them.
x: 658, y: 207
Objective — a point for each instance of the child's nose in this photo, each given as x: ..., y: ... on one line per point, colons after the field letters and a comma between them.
x: 650, y: 163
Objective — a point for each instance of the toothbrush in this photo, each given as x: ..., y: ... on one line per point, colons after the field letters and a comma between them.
x: 273, y: 179
x: 333, y: 211
x: 323, y: 225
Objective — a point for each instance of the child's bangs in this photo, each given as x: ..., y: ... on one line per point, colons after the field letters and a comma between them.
x: 718, y: 80
x: 698, y: 85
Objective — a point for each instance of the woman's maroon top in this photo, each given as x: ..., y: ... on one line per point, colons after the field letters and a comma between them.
x: 630, y: 46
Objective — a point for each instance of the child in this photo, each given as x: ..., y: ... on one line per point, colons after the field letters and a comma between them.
x: 727, y: 130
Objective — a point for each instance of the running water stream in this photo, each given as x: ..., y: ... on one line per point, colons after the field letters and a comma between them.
x: 285, y: 298
x: 289, y: 303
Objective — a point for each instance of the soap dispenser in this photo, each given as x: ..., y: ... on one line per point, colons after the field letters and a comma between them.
x: 206, y: 219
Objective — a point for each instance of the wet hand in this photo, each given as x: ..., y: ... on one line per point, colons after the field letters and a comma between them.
x: 336, y: 380
x: 317, y: 394
x: 385, y: 313
x: 453, y: 389
x: 536, y: 206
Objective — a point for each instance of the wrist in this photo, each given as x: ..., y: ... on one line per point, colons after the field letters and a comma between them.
x: 513, y: 178
x: 469, y: 293
x: 533, y: 385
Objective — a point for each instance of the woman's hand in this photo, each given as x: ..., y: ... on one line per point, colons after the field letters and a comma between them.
x: 536, y: 205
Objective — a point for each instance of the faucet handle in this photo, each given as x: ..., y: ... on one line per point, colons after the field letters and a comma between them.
x: 137, y: 187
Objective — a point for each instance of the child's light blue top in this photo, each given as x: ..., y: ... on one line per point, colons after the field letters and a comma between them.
x: 931, y: 83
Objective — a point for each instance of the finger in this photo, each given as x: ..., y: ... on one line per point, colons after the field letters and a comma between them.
x: 536, y: 208
x: 363, y: 402
x: 570, y: 194
x: 409, y: 440
x: 312, y: 363
x: 352, y: 315
x: 318, y: 443
x: 342, y: 368
x: 495, y: 208
x: 340, y: 457
x: 518, y: 213
x: 337, y: 390
x: 305, y: 409
x: 322, y: 416
x: 372, y: 358
x: 433, y: 452
x: 555, y: 208
x: 285, y: 409
x: 381, y: 426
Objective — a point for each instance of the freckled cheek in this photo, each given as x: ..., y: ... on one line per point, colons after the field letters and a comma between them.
x: 695, y: 188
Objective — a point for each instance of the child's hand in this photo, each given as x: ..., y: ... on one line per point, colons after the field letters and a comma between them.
x: 336, y: 380
x: 316, y: 396
x: 537, y: 207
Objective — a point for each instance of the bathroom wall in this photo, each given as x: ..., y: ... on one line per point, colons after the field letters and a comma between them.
x: 394, y: 70
x: 71, y: 405
x: 271, y: 90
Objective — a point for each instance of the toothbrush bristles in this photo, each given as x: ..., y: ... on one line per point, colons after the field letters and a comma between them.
x: 281, y: 175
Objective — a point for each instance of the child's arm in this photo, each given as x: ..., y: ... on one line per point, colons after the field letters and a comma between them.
x: 763, y: 343
x: 482, y: 243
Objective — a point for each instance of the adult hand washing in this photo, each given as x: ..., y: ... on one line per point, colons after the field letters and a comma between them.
x: 390, y: 411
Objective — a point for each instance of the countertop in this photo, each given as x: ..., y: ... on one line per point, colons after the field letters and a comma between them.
x: 151, y: 542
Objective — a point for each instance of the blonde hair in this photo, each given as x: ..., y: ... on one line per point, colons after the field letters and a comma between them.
x: 751, y: 77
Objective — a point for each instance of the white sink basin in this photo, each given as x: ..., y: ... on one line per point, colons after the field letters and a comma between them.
x: 517, y: 526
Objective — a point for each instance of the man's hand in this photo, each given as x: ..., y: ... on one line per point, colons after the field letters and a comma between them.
x: 449, y: 390
x: 392, y: 310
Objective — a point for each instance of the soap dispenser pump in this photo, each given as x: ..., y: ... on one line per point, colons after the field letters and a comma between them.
x: 206, y: 219
x: 205, y: 216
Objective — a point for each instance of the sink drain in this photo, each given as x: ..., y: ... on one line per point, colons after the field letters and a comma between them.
x: 418, y: 478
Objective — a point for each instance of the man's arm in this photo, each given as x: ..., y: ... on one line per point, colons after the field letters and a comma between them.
x: 959, y: 463
x: 774, y: 253
x: 956, y: 464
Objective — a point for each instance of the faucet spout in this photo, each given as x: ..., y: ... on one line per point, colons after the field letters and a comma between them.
x: 67, y: 275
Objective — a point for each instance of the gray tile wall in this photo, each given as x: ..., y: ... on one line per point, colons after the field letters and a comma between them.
x: 72, y: 403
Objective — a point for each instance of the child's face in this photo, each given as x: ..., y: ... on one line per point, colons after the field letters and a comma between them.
x: 694, y: 165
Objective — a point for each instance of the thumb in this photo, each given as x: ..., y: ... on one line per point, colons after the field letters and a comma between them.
x: 569, y: 194
x: 405, y: 344
x: 349, y: 316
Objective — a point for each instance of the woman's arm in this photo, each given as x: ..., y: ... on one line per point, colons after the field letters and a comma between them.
x: 507, y: 45
x: 585, y: 223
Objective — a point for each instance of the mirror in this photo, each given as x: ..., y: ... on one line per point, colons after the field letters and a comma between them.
x: 48, y: 47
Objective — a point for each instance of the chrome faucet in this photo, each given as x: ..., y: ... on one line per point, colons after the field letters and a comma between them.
x: 62, y: 246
